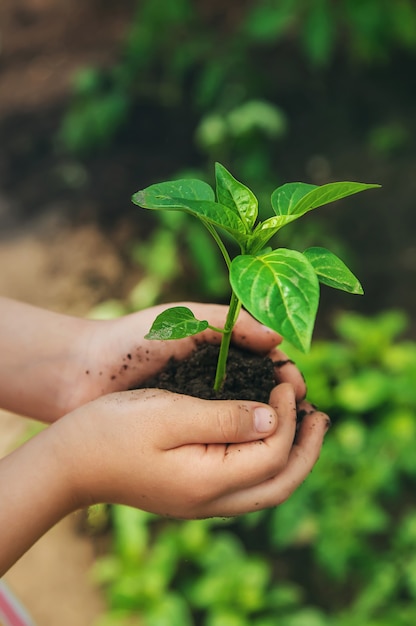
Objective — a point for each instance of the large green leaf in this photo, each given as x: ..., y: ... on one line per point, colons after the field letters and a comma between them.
x: 191, y: 196
x: 281, y: 290
x: 236, y: 196
x: 332, y: 271
x: 299, y: 198
x: 176, y: 323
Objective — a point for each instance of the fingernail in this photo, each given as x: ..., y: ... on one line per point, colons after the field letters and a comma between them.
x: 263, y: 420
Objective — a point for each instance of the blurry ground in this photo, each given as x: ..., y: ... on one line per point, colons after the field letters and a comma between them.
x: 62, y: 267
x: 45, y: 41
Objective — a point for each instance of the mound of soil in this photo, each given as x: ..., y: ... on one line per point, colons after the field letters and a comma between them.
x: 249, y: 376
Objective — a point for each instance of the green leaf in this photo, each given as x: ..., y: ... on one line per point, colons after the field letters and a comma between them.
x: 299, y: 198
x: 267, y: 229
x: 176, y: 323
x: 332, y: 271
x: 218, y: 215
x: 236, y: 196
x: 285, y: 198
x: 281, y: 290
x: 160, y: 195
x: 192, y: 196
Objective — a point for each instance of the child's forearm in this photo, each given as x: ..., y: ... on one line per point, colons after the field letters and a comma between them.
x: 38, y: 359
x: 35, y: 493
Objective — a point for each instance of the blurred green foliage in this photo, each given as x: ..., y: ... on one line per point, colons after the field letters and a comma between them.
x: 341, y: 550
x: 215, y: 69
x: 367, y: 31
x: 211, y: 61
x: 172, y: 57
x: 178, y: 247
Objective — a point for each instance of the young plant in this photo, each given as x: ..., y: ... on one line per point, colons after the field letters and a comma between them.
x: 279, y: 287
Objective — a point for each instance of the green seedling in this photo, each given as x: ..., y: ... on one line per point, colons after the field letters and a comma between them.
x: 279, y: 287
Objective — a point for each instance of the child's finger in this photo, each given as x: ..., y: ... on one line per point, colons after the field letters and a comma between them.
x: 272, y: 492
x: 287, y: 372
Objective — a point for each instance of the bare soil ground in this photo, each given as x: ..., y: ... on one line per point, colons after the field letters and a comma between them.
x: 64, y: 268
x: 45, y: 41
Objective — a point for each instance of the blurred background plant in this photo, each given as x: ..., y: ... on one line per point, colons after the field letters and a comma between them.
x: 207, y: 57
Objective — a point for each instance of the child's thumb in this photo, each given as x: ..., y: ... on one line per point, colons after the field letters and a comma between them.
x: 231, y: 421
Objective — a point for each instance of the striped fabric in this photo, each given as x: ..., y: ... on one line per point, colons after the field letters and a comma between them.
x: 11, y: 611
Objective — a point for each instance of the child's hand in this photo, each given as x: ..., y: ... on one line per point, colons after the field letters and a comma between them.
x: 183, y: 457
x: 53, y: 363
x: 161, y: 452
x: 114, y: 356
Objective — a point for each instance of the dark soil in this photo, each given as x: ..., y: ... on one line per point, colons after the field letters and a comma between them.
x: 249, y: 376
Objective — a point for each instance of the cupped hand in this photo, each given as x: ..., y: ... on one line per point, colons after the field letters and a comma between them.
x: 116, y: 357
x: 188, y: 458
